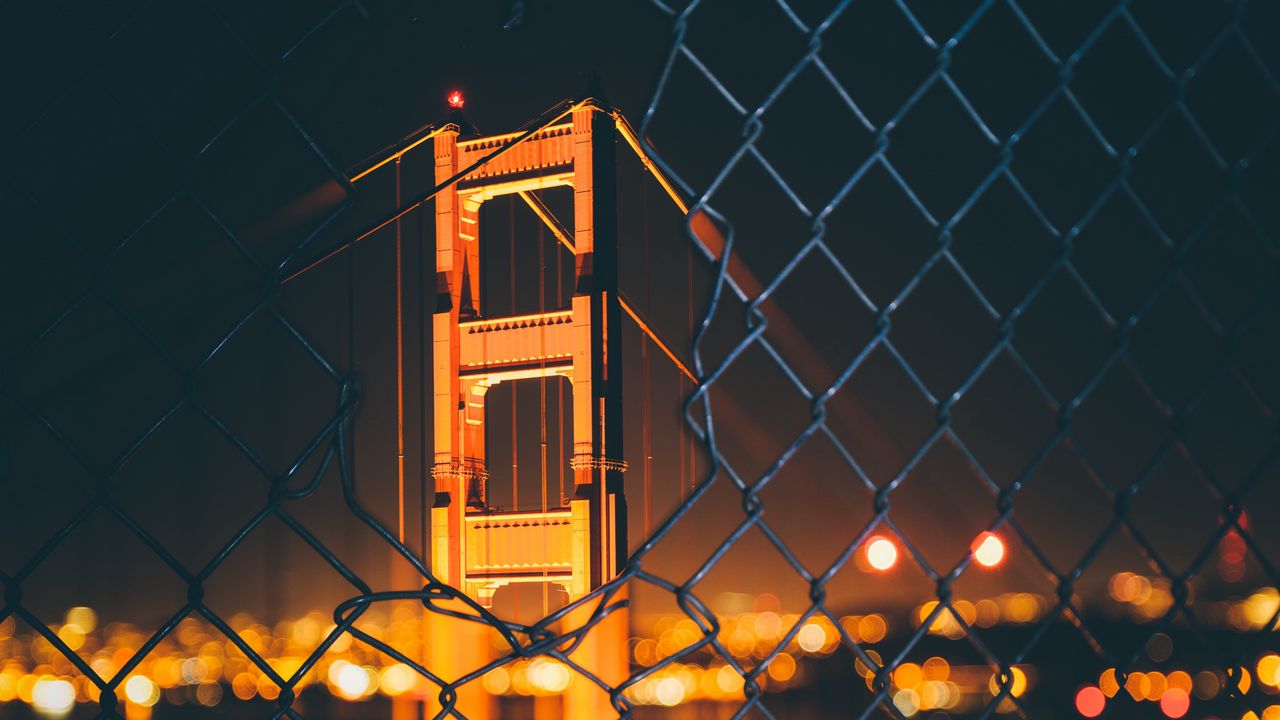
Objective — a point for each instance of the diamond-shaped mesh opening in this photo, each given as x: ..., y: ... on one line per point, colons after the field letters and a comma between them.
x: 941, y: 518
x: 880, y: 417
x: 767, y: 212
x: 1063, y: 338
x: 1233, y: 456
x: 273, y: 194
x: 1004, y: 246
x: 880, y: 235
x: 1062, y: 144
x: 815, y: 483
x: 1004, y: 87
x: 47, y: 487
x: 1173, y: 502
x: 67, y: 160
x: 156, y: 480
x: 1230, y: 267
x: 748, y: 78
x: 1121, y: 85
x: 1121, y: 256
x: 1004, y: 421
x: 1238, y: 121
x: 1176, y: 149
x: 810, y: 116
x: 1059, y: 495
x: 796, y: 318
x: 298, y: 388
x: 866, y: 35
x: 185, y: 100
x: 1121, y: 441
x: 53, y: 278
x: 89, y: 558
x: 943, y: 331
x: 171, y: 257
x: 95, y: 355
x: 943, y: 168
x: 1174, y: 321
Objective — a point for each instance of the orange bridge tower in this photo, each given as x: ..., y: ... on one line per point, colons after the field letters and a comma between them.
x: 474, y: 547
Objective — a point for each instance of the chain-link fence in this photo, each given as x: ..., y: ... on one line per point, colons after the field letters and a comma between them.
x: 1005, y: 272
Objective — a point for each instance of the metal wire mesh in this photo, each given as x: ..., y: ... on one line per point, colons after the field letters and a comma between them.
x: 1234, y: 192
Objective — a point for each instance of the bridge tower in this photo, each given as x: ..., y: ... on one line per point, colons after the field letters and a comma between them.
x: 581, y: 546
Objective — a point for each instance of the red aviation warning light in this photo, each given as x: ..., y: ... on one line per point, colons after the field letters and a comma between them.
x: 455, y: 99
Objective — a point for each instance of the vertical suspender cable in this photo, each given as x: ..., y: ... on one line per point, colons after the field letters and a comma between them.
x: 542, y: 394
x: 560, y: 434
x: 424, y: 344
x: 684, y: 432
x: 647, y: 437
x: 515, y: 445
x: 399, y: 371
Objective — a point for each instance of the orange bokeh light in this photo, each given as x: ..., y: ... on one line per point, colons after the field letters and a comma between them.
x: 882, y: 554
x: 988, y: 549
x: 1090, y: 702
x: 456, y: 100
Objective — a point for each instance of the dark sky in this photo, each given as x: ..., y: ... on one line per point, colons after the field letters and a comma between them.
x: 109, y: 130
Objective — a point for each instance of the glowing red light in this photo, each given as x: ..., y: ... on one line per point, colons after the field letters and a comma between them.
x: 1175, y: 702
x: 456, y: 100
x: 1090, y: 702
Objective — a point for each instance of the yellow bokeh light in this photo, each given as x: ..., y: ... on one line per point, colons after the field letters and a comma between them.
x: 1107, y: 683
x: 497, y: 681
x: 1269, y: 670
x: 882, y: 554
x: 1137, y: 685
x: 1180, y: 680
x: 209, y: 694
x: 872, y: 628
x: 351, y: 680
x: 907, y: 702
x: 907, y: 675
x: 244, y: 686
x: 768, y: 625
x: 52, y: 695
x: 729, y: 680
x: 987, y: 612
x: 267, y: 689
x: 1245, y: 680
x: 141, y: 690
x: 811, y: 637
x: 669, y: 691
x: 1156, y: 685
x: 783, y: 667
x: 1017, y: 682
x: 72, y: 635
x: 83, y: 618
x: 549, y: 675
x: 396, y: 679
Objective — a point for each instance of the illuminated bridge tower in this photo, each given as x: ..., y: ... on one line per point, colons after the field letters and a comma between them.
x: 580, y: 547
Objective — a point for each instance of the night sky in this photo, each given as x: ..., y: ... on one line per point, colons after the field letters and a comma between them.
x: 116, y: 129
